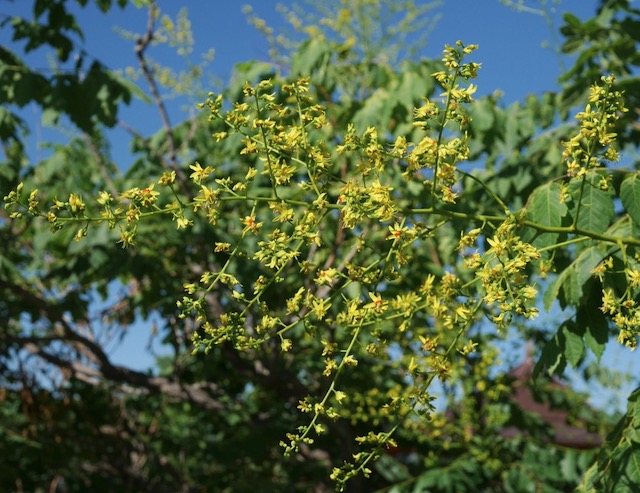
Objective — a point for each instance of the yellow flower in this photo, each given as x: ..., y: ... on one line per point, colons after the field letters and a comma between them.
x: 167, y: 178
x: 76, y: 203
x: 633, y: 275
x: 104, y: 198
x: 340, y: 395
x: 377, y: 304
x: 250, y: 224
x: 147, y: 196
x: 183, y: 222
x: 200, y: 173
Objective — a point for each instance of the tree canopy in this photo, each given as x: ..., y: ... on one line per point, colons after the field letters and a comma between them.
x: 333, y: 240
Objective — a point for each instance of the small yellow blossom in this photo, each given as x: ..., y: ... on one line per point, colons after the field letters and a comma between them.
x: 200, y: 173
x: 250, y: 225
x: 75, y: 203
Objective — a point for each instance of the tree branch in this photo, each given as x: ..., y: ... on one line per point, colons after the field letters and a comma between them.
x: 142, y: 44
x: 198, y: 393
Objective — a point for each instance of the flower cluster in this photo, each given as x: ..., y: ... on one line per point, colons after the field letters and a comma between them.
x: 624, y: 308
x: 315, y: 245
x: 596, y: 138
x: 502, y: 269
x: 435, y: 151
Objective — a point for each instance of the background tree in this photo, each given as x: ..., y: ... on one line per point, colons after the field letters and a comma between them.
x: 307, y: 298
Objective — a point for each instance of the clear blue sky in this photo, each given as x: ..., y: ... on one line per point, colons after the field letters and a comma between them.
x: 511, y: 43
x: 512, y: 52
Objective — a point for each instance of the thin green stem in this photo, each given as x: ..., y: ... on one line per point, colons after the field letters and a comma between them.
x: 486, y: 188
x: 590, y: 154
x: 331, y: 388
x: 304, y: 139
x: 266, y: 147
x: 447, y: 105
x: 422, y: 390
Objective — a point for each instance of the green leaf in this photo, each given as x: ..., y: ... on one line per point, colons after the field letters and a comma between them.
x: 633, y: 406
x: 391, y: 469
x: 632, y: 469
x: 552, y: 293
x: 50, y: 116
x: 572, y: 20
x: 572, y: 281
x: 552, y: 357
x: 596, y: 329
x: 568, y: 466
x: 132, y: 87
x: 250, y: 72
x: 574, y: 346
x: 630, y: 196
x: 30, y: 87
x: 595, y: 205
x: 483, y: 115
x: 546, y: 209
x: 312, y: 55
x: 412, y: 87
x: 618, y: 464
x: 565, y: 346
x: 582, y: 269
x: 371, y: 111
x: 623, y: 228
x: 587, y: 485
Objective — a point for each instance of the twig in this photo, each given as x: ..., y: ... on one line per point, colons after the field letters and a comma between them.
x: 142, y: 44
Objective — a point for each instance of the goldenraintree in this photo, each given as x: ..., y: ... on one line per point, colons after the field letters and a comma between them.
x: 328, y: 256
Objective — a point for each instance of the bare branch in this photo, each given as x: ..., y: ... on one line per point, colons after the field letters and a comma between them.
x: 142, y: 44
x: 197, y: 393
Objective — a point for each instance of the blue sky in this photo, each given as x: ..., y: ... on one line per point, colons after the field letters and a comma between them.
x: 516, y: 48
x: 516, y: 52
x: 512, y: 54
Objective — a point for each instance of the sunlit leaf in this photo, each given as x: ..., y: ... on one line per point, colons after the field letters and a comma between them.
x: 546, y: 208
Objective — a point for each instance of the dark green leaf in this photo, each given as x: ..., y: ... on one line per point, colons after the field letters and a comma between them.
x: 630, y: 196
x: 552, y: 357
x: 596, y: 329
x: 574, y: 347
x: 572, y: 20
x: 595, y: 206
x: 572, y: 281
